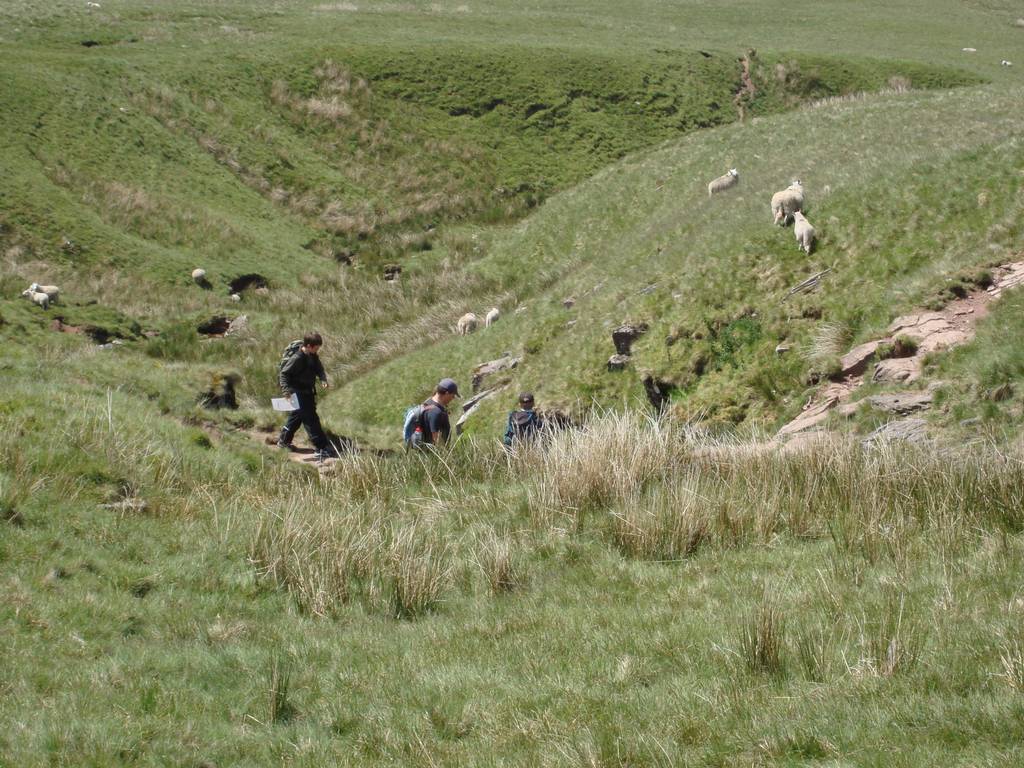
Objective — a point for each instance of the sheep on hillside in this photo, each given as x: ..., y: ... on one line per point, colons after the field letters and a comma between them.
x: 52, y: 291
x: 492, y: 317
x: 722, y: 183
x: 787, y: 202
x: 199, y: 276
x: 37, y: 297
x: 467, y: 323
x: 804, y: 232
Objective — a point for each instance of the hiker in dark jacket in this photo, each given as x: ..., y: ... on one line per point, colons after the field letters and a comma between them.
x: 436, y: 426
x: 524, y: 424
x: 298, y: 377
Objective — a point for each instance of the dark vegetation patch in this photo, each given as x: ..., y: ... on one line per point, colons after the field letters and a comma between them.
x: 247, y: 281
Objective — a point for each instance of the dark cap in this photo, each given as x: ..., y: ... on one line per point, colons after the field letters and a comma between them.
x: 449, y: 386
x: 525, y: 398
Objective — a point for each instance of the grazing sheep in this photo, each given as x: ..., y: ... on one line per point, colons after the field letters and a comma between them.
x: 787, y: 202
x: 199, y: 275
x: 37, y: 297
x: 492, y: 317
x: 50, y: 290
x: 235, y: 297
x: 804, y: 232
x: 722, y: 183
x: 467, y: 323
x: 1006, y: 63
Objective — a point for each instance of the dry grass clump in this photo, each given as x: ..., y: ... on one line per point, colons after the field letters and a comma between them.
x: 667, y: 525
x: 420, y: 571
x: 892, y: 643
x: 1011, y: 658
x: 606, y: 462
x: 500, y: 561
x: 280, y: 708
x: 828, y: 341
x: 314, y: 553
x: 815, y: 646
x: 763, y: 636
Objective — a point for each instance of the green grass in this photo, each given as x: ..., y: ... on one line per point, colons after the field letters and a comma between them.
x: 631, y: 594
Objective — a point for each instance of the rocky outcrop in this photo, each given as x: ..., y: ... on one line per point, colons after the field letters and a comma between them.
x: 624, y: 336
x: 657, y: 391
x: 618, y: 362
x: 471, y: 405
x: 913, y: 431
x: 855, y: 362
x: 483, y: 370
x: 898, y: 370
x: 902, y: 403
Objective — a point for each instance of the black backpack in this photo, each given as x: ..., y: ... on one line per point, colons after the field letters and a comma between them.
x: 522, y: 425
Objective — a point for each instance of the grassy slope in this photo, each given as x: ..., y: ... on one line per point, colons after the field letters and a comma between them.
x: 891, y: 228
x: 146, y: 638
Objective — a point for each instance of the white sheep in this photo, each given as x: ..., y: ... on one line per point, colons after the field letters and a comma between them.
x: 492, y: 317
x: 50, y: 290
x: 37, y: 297
x: 722, y: 183
x: 804, y: 232
x: 787, y: 202
x: 235, y: 297
x: 199, y: 275
x: 467, y: 323
x: 1006, y: 63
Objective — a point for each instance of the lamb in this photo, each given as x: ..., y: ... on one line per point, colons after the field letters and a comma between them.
x: 722, y: 183
x: 467, y: 323
x: 492, y: 317
x: 50, y: 290
x: 787, y: 202
x: 804, y: 232
x: 199, y: 276
x: 37, y: 297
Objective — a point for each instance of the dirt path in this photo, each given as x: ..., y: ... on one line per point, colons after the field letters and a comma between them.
x: 746, y: 91
x: 930, y: 331
x: 303, y: 453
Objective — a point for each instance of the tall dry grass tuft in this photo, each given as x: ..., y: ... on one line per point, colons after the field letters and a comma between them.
x: 420, y: 570
x: 815, y: 646
x: 500, y: 561
x: 314, y: 553
x: 279, y: 705
x: 763, y: 636
x: 829, y: 340
x: 668, y: 524
x: 1011, y: 658
x: 607, y: 462
x: 892, y: 642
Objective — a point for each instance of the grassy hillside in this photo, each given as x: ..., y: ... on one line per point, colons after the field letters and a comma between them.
x: 172, y: 591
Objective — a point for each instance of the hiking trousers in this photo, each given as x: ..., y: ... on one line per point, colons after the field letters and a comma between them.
x: 307, y: 416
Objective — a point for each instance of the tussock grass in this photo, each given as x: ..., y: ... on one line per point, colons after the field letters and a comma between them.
x: 420, y: 571
x: 501, y: 561
x: 313, y: 553
x: 762, y: 639
x: 280, y: 708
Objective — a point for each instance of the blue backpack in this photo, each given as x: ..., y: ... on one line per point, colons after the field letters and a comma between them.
x: 413, y: 426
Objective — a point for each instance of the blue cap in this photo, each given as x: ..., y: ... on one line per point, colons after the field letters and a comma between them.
x: 449, y: 386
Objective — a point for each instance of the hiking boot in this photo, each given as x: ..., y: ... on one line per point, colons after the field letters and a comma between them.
x: 286, y: 446
x: 326, y: 453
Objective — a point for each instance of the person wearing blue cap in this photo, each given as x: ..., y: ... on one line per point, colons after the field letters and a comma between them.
x: 434, y: 423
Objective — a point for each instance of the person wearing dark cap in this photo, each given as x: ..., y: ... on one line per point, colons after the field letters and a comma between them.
x: 434, y: 414
x: 524, y: 424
